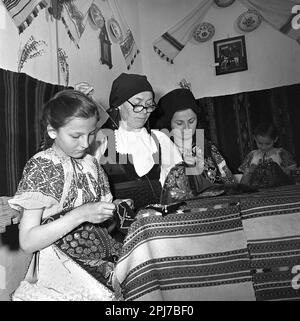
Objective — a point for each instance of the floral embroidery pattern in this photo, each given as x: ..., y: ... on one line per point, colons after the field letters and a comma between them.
x: 43, y: 176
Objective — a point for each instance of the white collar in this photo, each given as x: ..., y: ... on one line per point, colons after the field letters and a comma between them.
x: 140, y: 145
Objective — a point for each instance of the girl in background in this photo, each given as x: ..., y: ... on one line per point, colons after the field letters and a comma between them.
x: 259, y: 167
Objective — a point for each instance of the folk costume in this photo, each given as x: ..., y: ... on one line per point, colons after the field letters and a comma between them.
x: 79, y: 266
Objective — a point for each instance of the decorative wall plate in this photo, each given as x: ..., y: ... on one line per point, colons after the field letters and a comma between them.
x: 96, y: 16
x: 249, y: 20
x: 224, y: 3
x: 115, y: 29
x: 203, y: 32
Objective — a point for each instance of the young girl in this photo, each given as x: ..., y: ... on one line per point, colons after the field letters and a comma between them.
x: 64, y: 197
x: 266, y: 155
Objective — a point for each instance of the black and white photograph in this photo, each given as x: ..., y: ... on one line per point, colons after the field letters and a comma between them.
x: 150, y: 155
x: 230, y: 54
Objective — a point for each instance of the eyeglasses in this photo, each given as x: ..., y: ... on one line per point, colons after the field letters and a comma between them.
x: 139, y: 108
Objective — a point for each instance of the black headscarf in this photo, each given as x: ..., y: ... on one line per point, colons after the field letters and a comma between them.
x: 123, y: 88
x: 126, y: 86
x: 175, y: 100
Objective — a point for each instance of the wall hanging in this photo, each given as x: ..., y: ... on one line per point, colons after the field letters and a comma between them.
x: 98, y: 20
x: 224, y: 3
x: 77, y: 15
x: 63, y: 65
x: 249, y: 20
x: 169, y: 44
x: 24, y: 11
x: 277, y: 13
x: 230, y: 55
x: 31, y: 49
x: 203, y: 32
x: 120, y: 31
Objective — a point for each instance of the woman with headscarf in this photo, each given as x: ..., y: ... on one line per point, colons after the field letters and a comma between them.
x: 136, y: 159
x: 205, y: 163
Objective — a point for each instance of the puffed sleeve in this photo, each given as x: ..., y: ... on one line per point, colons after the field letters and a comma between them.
x: 41, y: 185
x: 287, y: 161
x: 244, y: 167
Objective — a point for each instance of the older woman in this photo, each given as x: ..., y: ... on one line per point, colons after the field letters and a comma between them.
x: 136, y: 159
x: 206, y: 165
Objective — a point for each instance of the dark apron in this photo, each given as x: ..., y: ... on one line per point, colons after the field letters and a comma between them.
x: 125, y: 183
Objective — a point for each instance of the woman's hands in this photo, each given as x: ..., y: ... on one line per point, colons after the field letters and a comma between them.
x: 96, y: 212
x: 195, y: 161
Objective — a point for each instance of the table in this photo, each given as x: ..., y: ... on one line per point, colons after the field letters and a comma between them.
x: 8, y: 215
x: 240, y: 247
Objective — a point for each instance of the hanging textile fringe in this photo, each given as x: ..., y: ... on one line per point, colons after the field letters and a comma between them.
x: 24, y: 11
x: 69, y: 32
x: 277, y: 13
x: 169, y: 44
x: 77, y: 14
x: 127, y: 43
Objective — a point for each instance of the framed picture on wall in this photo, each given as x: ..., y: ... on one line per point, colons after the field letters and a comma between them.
x: 230, y: 55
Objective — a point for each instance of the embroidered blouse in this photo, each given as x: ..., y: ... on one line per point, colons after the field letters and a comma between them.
x: 56, y: 182
x: 278, y: 155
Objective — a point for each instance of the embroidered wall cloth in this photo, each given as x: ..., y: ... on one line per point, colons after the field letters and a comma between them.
x: 24, y: 11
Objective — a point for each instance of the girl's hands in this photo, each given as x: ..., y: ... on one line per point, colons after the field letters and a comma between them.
x: 127, y: 200
x: 96, y: 212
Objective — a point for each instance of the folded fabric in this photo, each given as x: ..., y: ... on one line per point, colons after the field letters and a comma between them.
x: 24, y: 11
x: 125, y: 37
x: 277, y: 13
x: 78, y: 14
x: 173, y: 41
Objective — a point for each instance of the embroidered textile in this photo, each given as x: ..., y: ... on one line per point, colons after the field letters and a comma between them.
x: 277, y: 13
x: 227, y: 248
x: 24, y: 11
x: 53, y: 182
x: 21, y: 100
x: 272, y: 228
x: 169, y: 44
x: 190, y: 256
x: 126, y: 41
x: 78, y: 14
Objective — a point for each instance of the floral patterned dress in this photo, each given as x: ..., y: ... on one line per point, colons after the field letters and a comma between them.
x: 79, y: 266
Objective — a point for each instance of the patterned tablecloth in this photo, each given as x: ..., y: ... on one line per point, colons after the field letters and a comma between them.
x: 243, y: 247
